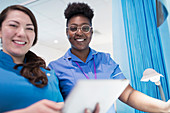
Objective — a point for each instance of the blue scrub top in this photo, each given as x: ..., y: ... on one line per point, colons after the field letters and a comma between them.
x: 69, y: 73
x: 17, y: 92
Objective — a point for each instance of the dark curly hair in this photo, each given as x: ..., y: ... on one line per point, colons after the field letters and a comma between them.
x: 78, y: 9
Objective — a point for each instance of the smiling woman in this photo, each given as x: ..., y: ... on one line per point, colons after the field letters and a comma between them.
x: 17, y: 32
x: 23, y: 73
x: 83, y: 62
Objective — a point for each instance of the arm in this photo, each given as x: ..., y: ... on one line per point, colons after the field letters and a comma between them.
x: 47, y: 106
x: 143, y: 102
x: 43, y: 106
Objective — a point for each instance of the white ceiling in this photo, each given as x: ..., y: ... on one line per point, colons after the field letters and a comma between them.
x: 51, y: 23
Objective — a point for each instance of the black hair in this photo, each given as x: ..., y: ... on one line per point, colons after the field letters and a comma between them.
x: 74, y: 9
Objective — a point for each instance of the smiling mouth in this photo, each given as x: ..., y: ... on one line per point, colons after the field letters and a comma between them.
x: 19, y: 42
x: 80, y: 40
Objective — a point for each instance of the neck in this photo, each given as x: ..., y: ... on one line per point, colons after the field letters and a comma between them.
x: 81, y: 54
x: 18, y: 60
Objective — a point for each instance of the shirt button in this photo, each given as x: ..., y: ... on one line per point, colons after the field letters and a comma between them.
x: 48, y: 74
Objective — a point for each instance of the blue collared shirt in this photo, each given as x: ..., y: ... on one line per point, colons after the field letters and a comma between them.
x: 17, y: 92
x: 69, y: 73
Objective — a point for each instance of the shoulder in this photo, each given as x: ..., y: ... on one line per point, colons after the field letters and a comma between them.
x: 103, y: 56
x: 57, y: 62
x: 99, y: 53
x: 62, y: 59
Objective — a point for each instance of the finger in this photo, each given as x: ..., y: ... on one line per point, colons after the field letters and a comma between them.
x: 97, y: 108
x: 53, y: 105
x: 47, y: 109
x: 87, y: 111
x: 168, y: 101
x: 62, y: 103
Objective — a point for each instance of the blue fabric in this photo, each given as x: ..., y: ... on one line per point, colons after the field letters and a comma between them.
x: 69, y: 73
x: 17, y: 92
x: 143, y: 46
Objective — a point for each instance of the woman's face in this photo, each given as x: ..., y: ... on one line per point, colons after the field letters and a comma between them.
x: 17, y: 33
x: 79, y: 40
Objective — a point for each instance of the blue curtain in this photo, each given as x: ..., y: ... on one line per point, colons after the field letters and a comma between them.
x: 144, y: 46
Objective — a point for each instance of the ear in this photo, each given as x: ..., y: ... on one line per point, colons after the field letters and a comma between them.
x: 67, y: 34
x: 0, y: 37
x: 66, y: 31
x: 92, y: 31
x: 0, y: 33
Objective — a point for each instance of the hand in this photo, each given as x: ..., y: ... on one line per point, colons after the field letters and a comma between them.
x: 96, y: 110
x: 168, y: 106
x: 43, y: 106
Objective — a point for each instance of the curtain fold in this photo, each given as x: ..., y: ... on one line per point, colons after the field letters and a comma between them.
x: 144, y: 45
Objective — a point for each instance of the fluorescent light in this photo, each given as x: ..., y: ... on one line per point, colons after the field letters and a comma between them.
x: 28, y: 2
x: 56, y: 41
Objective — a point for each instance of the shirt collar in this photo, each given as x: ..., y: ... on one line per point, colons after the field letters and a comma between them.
x: 5, y: 57
x: 71, y: 56
x: 7, y: 63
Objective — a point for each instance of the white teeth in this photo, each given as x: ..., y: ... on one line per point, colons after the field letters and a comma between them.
x: 80, y: 40
x: 18, y: 42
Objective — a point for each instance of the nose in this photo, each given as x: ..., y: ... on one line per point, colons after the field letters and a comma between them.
x: 79, y: 31
x: 21, y: 32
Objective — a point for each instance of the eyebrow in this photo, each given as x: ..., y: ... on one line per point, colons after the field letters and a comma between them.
x: 80, y: 24
x: 29, y: 24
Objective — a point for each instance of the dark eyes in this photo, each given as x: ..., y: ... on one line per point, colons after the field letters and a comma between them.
x: 84, y: 28
x: 12, y: 25
x: 30, y: 29
x: 73, y: 28
x: 27, y: 28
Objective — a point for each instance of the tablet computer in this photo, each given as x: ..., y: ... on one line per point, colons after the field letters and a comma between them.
x: 87, y: 93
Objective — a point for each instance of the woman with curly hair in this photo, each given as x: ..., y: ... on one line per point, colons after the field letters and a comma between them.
x: 83, y: 62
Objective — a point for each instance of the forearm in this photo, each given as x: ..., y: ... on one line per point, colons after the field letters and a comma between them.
x: 142, y: 102
x: 145, y: 103
x: 42, y: 106
x: 15, y: 111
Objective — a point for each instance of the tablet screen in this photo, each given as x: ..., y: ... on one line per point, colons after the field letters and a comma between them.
x: 87, y: 93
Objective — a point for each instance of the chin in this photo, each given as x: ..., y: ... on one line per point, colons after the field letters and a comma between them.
x: 19, y: 53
